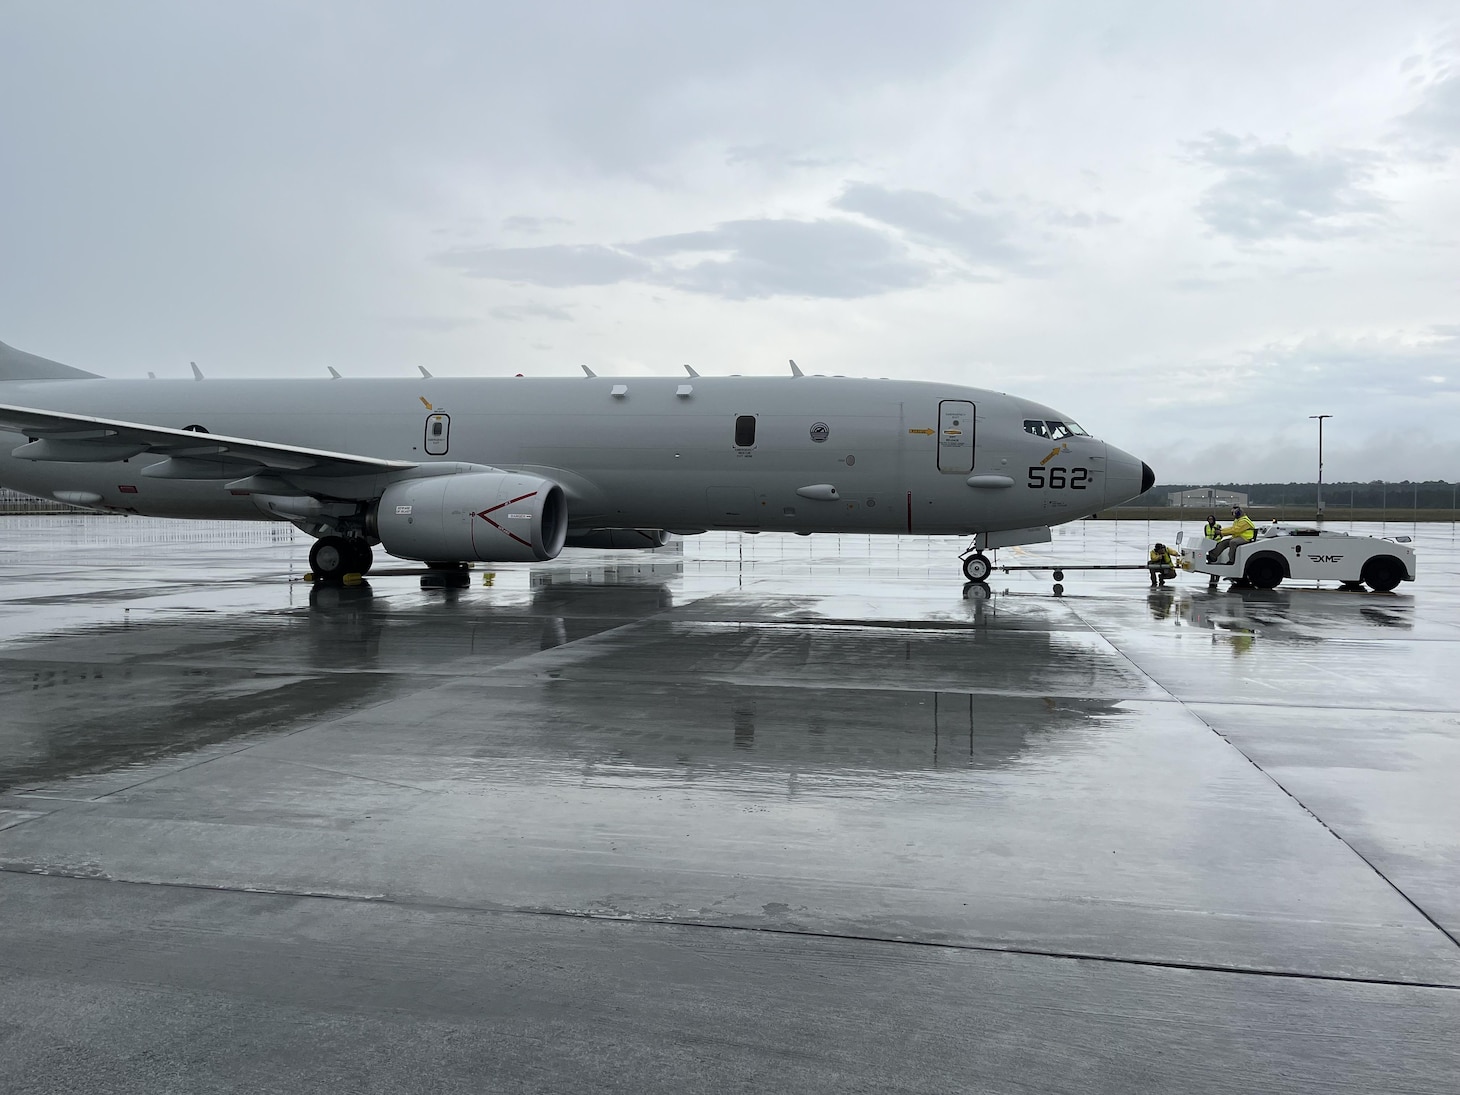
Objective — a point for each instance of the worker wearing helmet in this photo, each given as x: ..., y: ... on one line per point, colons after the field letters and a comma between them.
x: 1240, y: 531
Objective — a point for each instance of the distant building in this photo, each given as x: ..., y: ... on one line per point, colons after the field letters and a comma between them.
x: 1207, y: 498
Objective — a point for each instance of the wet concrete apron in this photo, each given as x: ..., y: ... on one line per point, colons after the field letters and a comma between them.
x: 775, y: 813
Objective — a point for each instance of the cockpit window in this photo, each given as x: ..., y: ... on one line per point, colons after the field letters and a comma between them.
x: 1058, y: 431
x: 1036, y: 427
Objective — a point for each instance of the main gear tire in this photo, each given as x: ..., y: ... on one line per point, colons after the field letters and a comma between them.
x: 330, y: 558
x: 361, y: 557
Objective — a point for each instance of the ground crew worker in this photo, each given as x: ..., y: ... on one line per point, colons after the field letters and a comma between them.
x: 1212, y: 532
x: 1240, y: 531
x: 1161, y: 559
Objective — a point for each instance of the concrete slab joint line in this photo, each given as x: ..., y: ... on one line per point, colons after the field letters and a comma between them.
x: 1285, y: 790
x: 670, y: 922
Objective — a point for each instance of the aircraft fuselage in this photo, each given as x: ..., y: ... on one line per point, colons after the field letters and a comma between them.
x: 802, y: 454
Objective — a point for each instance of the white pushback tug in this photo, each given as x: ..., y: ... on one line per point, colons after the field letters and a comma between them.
x: 1307, y: 552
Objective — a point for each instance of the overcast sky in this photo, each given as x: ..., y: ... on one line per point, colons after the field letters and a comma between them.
x: 1189, y: 226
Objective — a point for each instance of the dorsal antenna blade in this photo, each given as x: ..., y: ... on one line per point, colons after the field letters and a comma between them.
x: 424, y: 371
x: 334, y: 373
x: 796, y: 369
x: 587, y: 371
x: 691, y: 370
x: 197, y: 372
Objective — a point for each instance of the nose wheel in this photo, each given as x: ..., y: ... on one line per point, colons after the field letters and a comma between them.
x: 977, y: 568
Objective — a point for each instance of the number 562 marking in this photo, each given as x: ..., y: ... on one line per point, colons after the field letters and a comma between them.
x: 1058, y: 478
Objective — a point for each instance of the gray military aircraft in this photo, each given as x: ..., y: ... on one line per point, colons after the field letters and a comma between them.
x: 513, y: 469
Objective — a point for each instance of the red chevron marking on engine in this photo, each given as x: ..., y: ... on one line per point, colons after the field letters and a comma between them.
x: 506, y: 532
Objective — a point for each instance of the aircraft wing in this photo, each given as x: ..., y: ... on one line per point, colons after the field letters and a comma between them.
x: 79, y: 438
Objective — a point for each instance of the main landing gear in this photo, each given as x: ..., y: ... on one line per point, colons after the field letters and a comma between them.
x: 332, y: 557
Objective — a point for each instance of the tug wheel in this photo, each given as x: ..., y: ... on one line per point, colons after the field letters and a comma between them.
x: 1264, y: 573
x: 1383, y: 573
x: 976, y: 568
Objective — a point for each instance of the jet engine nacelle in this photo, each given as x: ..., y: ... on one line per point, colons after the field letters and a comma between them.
x: 498, y: 517
x: 619, y: 538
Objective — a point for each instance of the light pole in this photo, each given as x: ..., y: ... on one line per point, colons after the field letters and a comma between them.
x: 1320, y: 418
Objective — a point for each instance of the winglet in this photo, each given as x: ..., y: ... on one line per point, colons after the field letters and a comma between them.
x: 424, y: 371
x: 587, y: 371
x: 197, y: 372
x: 690, y: 369
x: 796, y: 370
x: 334, y: 373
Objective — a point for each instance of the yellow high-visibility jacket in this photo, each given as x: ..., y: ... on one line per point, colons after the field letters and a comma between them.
x: 1242, y: 527
x: 1212, y: 531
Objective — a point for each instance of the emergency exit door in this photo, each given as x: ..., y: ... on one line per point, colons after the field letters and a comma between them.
x: 438, y: 434
x: 955, y: 436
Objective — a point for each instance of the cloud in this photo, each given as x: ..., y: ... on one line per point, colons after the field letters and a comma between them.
x: 531, y: 225
x: 557, y: 266
x: 916, y: 238
x: 1078, y: 219
x: 981, y: 239
x: 1271, y: 192
x: 1391, y: 397
x: 834, y: 258
x: 433, y: 324
x: 519, y: 312
x: 1368, y: 376
x: 1436, y: 120
x: 775, y: 157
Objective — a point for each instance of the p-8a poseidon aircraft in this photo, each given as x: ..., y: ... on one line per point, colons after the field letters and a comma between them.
x: 513, y: 469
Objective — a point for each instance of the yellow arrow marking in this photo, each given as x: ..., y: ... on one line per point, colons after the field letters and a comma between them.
x: 428, y: 404
x: 928, y: 432
x: 1052, y: 454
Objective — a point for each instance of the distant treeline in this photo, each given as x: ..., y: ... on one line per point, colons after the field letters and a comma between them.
x: 1431, y: 494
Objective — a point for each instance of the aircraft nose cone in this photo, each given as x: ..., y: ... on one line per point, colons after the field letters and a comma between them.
x: 1126, y: 478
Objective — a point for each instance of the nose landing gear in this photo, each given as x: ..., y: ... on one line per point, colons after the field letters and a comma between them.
x: 977, y: 568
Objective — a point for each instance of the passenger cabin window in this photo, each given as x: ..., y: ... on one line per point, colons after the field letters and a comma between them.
x: 745, y: 431
x: 1036, y: 427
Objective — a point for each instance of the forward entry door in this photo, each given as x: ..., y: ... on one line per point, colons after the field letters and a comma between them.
x: 955, y: 436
